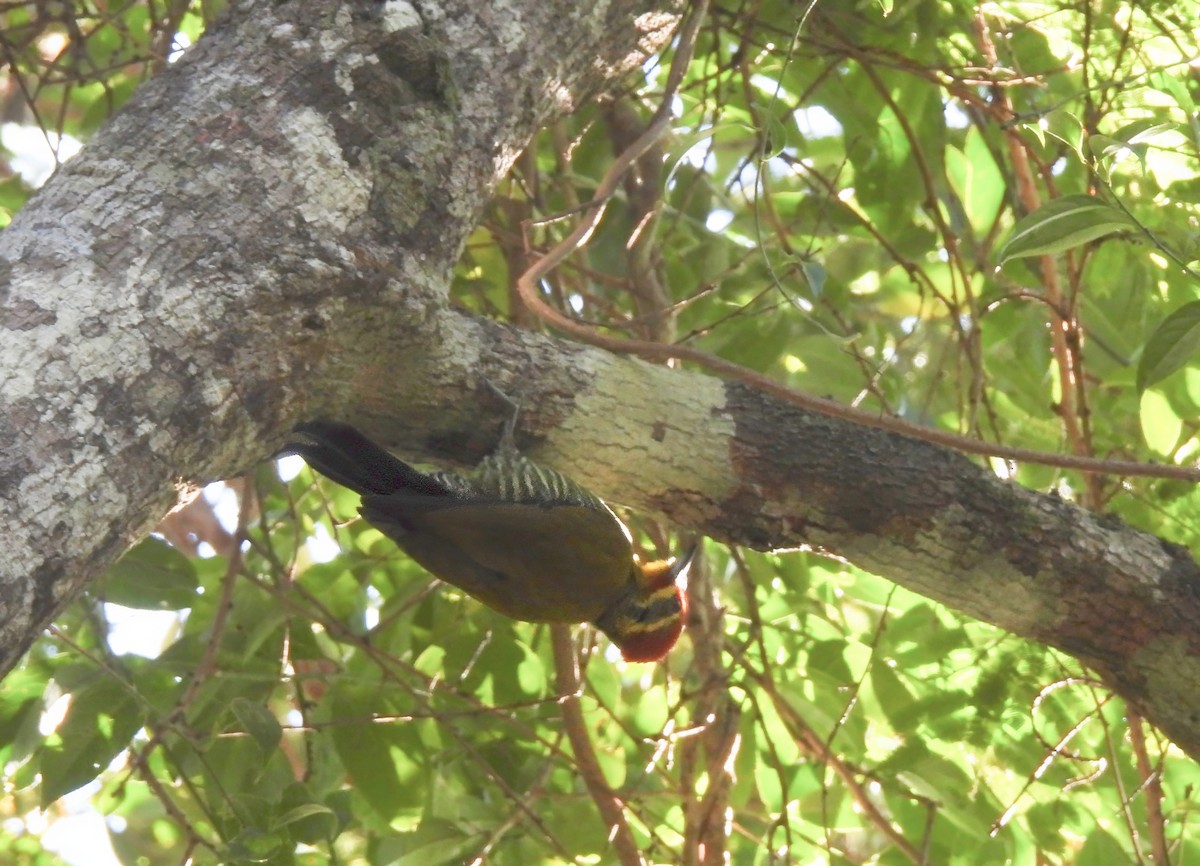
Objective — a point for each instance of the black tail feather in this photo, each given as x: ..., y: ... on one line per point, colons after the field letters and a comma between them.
x: 342, y: 454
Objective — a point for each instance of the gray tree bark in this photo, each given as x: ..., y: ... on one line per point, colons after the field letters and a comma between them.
x: 266, y: 233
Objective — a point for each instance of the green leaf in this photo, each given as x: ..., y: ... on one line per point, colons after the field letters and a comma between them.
x: 302, y: 813
x: 1138, y: 132
x: 1101, y: 849
x: 814, y: 276
x: 259, y: 722
x: 978, y: 182
x: 894, y: 697
x: 1063, y: 224
x: 151, y: 576
x: 306, y: 818
x: 100, y: 722
x: 253, y: 845
x: 1160, y: 425
x: 434, y: 843
x: 376, y: 755
x: 1171, y: 85
x: 530, y: 672
x: 1172, y: 345
x: 366, y: 751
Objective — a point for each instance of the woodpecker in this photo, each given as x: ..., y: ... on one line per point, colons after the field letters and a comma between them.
x: 521, y: 538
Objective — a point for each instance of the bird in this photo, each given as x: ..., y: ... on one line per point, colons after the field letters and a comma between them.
x: 519, y: 537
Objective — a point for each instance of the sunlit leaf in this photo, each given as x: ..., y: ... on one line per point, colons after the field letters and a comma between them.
x: 1101, y: 849
x: 1173, y: 344
x: 1160, y: 425
x: 99, y: 723
x: 1063, y: 224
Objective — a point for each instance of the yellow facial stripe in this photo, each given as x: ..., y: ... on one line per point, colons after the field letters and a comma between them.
x: 668, y: 591
x: 664, y: 602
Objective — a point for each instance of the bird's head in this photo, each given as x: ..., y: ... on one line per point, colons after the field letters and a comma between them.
x: 646, y: 623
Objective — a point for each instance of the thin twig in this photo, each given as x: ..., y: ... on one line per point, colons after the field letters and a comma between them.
x: 567, y: 682
x: 528, y: 283
x: 801, y: 730
x: 1064, y: 332
x: 1152, y: 783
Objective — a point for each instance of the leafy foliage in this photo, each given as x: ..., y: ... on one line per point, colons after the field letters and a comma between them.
x: 979, y: 220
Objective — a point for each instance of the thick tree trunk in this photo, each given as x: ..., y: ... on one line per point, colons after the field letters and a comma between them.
x: 266, y: 231
x: 266, y: 234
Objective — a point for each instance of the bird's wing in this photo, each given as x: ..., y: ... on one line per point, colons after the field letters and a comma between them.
x: 557, y: 563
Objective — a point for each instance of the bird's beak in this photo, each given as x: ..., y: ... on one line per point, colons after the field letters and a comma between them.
x: 680, y: 565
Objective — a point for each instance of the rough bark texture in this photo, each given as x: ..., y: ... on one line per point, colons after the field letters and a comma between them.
x: 265, y: 234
